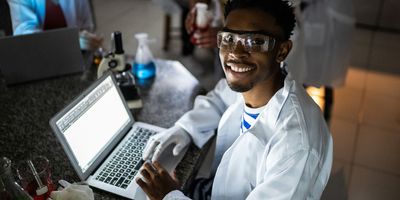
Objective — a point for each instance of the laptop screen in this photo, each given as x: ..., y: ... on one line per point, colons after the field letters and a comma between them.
x: 86, y: 129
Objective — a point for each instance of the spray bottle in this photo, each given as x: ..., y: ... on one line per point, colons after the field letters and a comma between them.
x: 143, y: 66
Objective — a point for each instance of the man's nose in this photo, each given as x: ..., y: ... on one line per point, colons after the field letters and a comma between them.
x: 239, y: 50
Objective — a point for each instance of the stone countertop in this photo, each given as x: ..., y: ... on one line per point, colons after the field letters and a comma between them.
x: 25, y: 111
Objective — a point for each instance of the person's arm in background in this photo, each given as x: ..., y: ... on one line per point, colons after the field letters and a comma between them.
x: 87, y: 40
x: 24, y: 16
x: 84, y: 15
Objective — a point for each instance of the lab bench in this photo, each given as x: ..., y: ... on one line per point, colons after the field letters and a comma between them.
x: 25, y: 111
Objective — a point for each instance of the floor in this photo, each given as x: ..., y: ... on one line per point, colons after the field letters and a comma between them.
x: 365, y: 120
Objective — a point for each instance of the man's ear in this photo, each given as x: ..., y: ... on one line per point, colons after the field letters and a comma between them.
x: 283, y: 50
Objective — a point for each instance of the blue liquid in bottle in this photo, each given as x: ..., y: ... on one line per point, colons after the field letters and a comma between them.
x: 144, y: 71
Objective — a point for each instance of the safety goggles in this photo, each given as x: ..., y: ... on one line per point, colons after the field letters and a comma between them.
x: 252, y: 42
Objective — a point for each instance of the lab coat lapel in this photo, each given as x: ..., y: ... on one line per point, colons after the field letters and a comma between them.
x: 228, y: 130
x: 265, y: 124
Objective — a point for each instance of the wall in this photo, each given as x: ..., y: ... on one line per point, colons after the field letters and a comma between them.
x: 382, y: 14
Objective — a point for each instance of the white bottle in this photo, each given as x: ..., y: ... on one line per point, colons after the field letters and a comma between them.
x: 202, y: 16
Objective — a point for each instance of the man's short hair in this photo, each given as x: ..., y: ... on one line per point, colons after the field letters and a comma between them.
x: 281, y: 10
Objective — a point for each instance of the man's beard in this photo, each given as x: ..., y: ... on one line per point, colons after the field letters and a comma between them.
x: 240, y: 88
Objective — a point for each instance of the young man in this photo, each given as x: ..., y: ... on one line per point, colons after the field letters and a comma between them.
x: 272, y: 140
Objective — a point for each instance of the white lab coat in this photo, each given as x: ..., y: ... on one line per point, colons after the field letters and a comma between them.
x: 286, y: 154
x: 322, y: 43
x: 28, y: 15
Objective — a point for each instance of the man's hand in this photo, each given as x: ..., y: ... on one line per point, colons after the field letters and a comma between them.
x: 155, y: 181
x: 157, y: 143
x: 89, y: 41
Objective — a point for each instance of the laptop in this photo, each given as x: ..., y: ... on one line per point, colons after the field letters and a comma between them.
x: 41, y: 55
x: 103, y: 141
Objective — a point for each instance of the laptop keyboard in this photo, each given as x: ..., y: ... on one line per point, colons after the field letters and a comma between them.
x: 125, y: 164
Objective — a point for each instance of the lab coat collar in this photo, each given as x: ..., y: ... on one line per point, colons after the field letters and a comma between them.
x: 265, y: 126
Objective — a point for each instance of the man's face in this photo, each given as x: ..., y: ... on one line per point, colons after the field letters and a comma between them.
x: 245, y: 69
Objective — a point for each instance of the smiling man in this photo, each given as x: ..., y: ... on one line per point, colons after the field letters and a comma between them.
x: 272, y: 141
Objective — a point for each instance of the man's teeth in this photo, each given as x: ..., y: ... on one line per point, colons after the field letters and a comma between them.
x: 240, y: 69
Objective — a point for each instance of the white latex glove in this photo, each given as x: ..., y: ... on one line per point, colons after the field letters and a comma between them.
x: 157, y: 143
x: 73, y: 192
x: 89, y: 41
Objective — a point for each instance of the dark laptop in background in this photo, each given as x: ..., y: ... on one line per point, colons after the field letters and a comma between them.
x: 41, y: 55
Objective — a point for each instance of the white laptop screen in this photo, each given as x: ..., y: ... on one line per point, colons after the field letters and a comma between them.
x: 91, y: 125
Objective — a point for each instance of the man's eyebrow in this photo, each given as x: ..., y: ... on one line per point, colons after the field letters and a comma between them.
x: 262, y: 32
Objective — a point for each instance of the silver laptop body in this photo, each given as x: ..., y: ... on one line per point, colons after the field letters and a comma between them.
x: 96, y: 128
x: 40, y: 55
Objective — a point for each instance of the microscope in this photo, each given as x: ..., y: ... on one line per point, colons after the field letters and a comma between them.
x: 115, y: 62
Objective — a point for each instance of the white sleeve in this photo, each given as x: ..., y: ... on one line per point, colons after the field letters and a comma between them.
x: 176, y: 195
x: 80, y: 14
x: 294, y: 169
x: 292, y: 177
x: 84, y: 16
x: 24, y: 18
x: 203, y: 119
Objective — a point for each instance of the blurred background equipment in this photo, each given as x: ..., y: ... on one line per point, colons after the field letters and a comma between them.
x: 5, y: 22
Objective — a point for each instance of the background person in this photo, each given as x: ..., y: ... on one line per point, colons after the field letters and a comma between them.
x: 29, y: 16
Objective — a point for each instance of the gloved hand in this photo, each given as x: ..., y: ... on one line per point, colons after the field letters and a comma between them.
x: 89, y: 41
x: 73, y: 192
x: 157, y: 143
